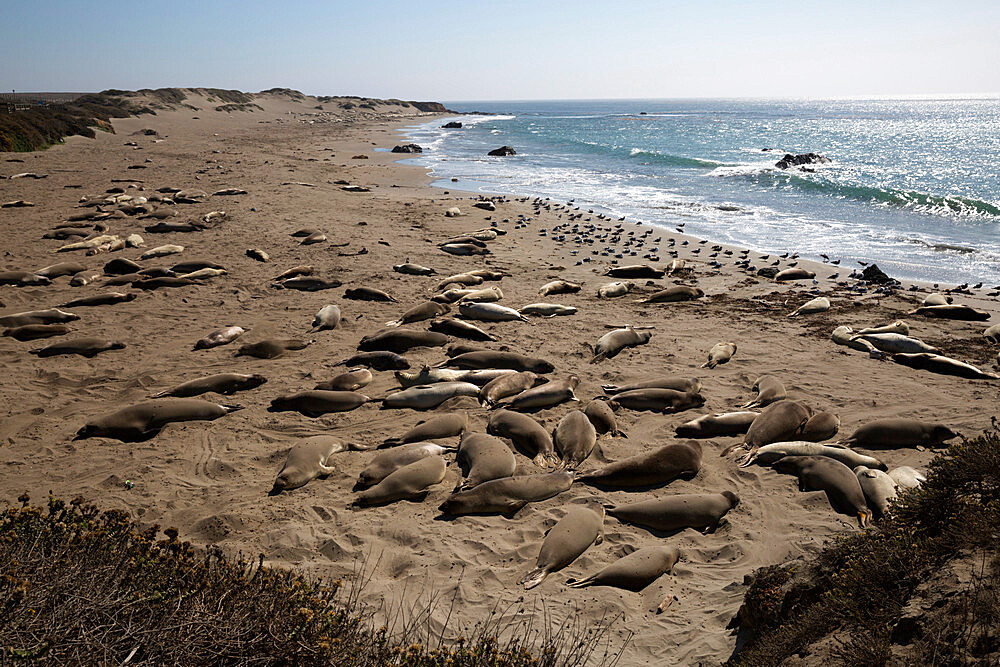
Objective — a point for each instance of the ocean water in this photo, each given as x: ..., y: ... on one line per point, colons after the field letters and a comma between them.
x: 914, y: 184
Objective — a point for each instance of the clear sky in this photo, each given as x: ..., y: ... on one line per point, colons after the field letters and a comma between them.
x: 530, y: 49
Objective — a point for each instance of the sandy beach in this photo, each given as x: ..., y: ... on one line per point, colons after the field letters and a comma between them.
x: 210, y: 479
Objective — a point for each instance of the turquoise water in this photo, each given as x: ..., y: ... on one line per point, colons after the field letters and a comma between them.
x: 914, y: 184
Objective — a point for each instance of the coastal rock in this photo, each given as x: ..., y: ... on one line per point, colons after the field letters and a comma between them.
x: 408, y: 148
x: 485, y: 205
x: 875, y: 275
x: 453, y: 125
x: 803, y: 158
x: 503, y: 151
x: 768, y: 272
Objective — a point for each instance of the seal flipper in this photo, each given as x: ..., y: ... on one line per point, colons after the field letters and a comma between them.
x: 580, y: 583
x: 534, y: 578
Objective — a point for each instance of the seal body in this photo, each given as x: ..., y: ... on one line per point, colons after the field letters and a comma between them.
x: 219, y: 337
x: 318, y: 402
x: 657, y: 400
x: 401, y: 340
x: 272, y: 348
x: 368, y: 294
x: 547, y: 309
x: 613, y: 342
x: 702, y: 511
x: 144, y: 420
x: 380, y: 361
x: 819, y: 473
x: 108, y: 299
x: 662, y: 382
x: 49, y: 316
x: 328, y: 317
x: 407, y: 483
x: 573, y: 534
x: 906, y: 477
x: 507, y: 495
x: 794, y: 274
x: 349, y: 381
x: 943, y: 365
x: 602, y: 417
x: 615, y: 289
x: 574, y: 438
x: 452, y: 327
x: 821, y: 426
x: 674, y: 294
x: 506, y: 385
x: 307, y: 459
x: 878, y: 487
x: 660, y: 466
x: 714, y: 425
x: 35, y: 331
x: 85, y: 347
x: 952, y: 312
x: 484, y: 457
x: 545, y: 395
x: 778, y: 422
x: 223, y: 383
x: 391, y: 460
x: 720, y: 353
x: 489, y: 312
x: 527, y: 435
x: 424, y: 311
x: 769, y: 389
x: 899, y: 432
x: 635, y: 571
x: 441, y: 426
x: 559, y: 287
x: 428, y: 396
x: 490, y: 359
x: 428, y: 375
x: 635, y: 271
x: 768, y: 454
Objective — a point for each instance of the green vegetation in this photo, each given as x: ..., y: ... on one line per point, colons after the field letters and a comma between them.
x: 38, y: 128
x: 861, y: 601
x: 78, y: 586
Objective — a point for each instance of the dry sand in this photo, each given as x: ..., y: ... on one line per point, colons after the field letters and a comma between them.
x: 210, y: 479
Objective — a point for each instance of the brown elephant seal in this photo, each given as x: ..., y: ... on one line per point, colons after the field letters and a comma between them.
x: 506, y: 385
x: 401, y: 340
x: 574, y: 438
x: 84, y: 278
x: 527, y: 435
x: 797, y: 273
x: 49, y: 316
x: 602, y: 417
x: 315, y: 237
x: 821, y: 426
x: 489, y: 359
x: 272, y: 348
x: 715, y: 425
x: 223, y: 383
x: 936, y: 363
x: 701, y: 511
x: 658, y: 467
x: 610, y: 344
x: 318, y: 402
x: 189, y: 266
x: 820, y: 473
x: 380, y: 361
x: 894, y: 342
x: 85, y: 347
x: 573, y: 534
x: 952, y: 312
x: 295, y: 271
x: 633, y: 572
x: 441, y: 426
x: 424, y: 311
x: 559, y: 287
x: 61, y: 269
x: 407, y: 483
x: 820, y: 304
x: 349, y: 381
x: 308, y: 459
x: 484, y: 457
x: 898, y: 432
x: 768, y: 454
x: 23, y: 279
x: 368, y: 294
x: 327, y: 318
x: 992, y: 334
x: 657, y: 400
x: 307, y: 284
x: 456, y: 349
x: 768, y: 389
x: 144, y: 420
x: 428, y: 396
x: 720, y: 354
x: 779, y: 422
x: 459, y: 329
x: 674, y: 294
x: 428, y: 375
x: 661, y: 382
x: 157, y: 283
x: 635, y: 271
x: 413, y: 269
x: 222, y: 336
x: 389, y: 461
x: 107, y: 299
x: 547, y: 310
x: 35, y: 331
x: 546, y: 395
x: 878, y: 487
x: 507, y: 495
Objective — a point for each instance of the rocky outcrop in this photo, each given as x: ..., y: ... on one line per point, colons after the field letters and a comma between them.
x: 503, y: 151
x: 453, y: 125
x: 875, y: 275
x: 798, y: 160
x: 408, y: 148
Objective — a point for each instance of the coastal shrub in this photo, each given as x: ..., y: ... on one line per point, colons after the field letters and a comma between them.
x: 37, y: 128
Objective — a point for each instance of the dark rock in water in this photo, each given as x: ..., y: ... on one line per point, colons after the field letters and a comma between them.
x: 804, y: 158
x: 408, y: 148
x: 503, y: 151
x: 873, y: 274
x: 453, y: 125
x: 768, y: 272
x: 485, y: 205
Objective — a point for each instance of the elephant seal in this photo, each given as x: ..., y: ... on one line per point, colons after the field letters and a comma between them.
x: 22, y: 279
x: 768, y: 454
x: 84, y: 278
x: 484, y: 457
x: 253, y: 253
x: 952, y: 312
x: 794, y: 274
x: 818, y: 305
x: 507, y: 495
x: 488, y: 295
x: 219, y: 337
x: 898, y: 327
x: 441, y: 426
x: 602, y: 417
x: 318, y: 402
x: 936, y: 299
x: 573, y: 534
x: 547, y: 309
x: 878, y: 487
x: 387, y: 462
x: 462, y: 348
x: 559, y: 287
x: 992, y: 333
x: 413, y: 269
x: 821, y: 426
x: 610, y: 344
x: 407, y: 483
x: 315, y: 237
x: 349, y: 381
x: 35, y: 331
x: 936, y: 363
x: 527, y: 435
x: 819, y: 473
x: 452, y: 295
x: 328, y: 317
x: 546, y: 395
x: 424, y: 311
x: 489, y: 312
x: 633, y: 572
x: 308, y: 459
x: 162, y: 251
x: 85, y: 347
x: 844, y: 335
x: 157, y: 283
x: 272, y: 348
x: 380, y: 361
x: 635, y: 271
x: 657, y: 400
x: 769, y: 389
x: 368, y: 294
x: 429, y: 396
x: 662, y: 382
x: 574, y: 438
x: 615, y: 289
x: 401, y: 340
x: 49, y: 316
x: 223, y: 383
x: 204, y: 274
x: 899, y: 432
x: 189, y: 266
x: 714, y: 425
x: 307, y: 284
x: 61, y: 269
x: 701, y: 511
x: 894, y: 342
x: 489, y: 359
x: 295, y: 271
x: 655, y: 468
x: 720, y: 353
x: 459, y: 329
x: 144, y: 420
x: 779, y: 422
x: 674, y: 294
x: 506, y: 385
x: 108, y: 299
x: 906, y: 477
x: 464, y: 249
x: 428, y: 375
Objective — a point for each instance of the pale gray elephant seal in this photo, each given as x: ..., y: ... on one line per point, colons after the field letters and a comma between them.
x: 350, y: 381
x: 899, y: 432
x: 701, y: 511
x: 441, y: 426
x: 85, y: 347
x: 658, y: 467
x: 878, y: 487
x: 573, y: 534
x: 613, y: 342
x: 507, y: 495
x: 484, y: 457
x: 429, y: 396
x: 602, y: 417
x: 49, y: 316
x: 504, y: 386
x: 633, y: 572
x: 545, y: 395
x: 769, y: 389
x: 318, y: 402
x: 272, y: 348
x: 328, y: 317
x: 819, y: 473
x: 720, y: 353
x: 768, y: 454
x: 308, y: 459
x: 797, y: 273
x: 906, y: 477
x: 388, y: 461
x: 778, y: 422
x: 144, y: 420
x: 222, y: 336
x: 425, y: 311
x: 662, y: 382
x: 657, y: 400
x: 715, y: 425
x: 407, y: 483
x: 222, y: 383
x: 527, y: 435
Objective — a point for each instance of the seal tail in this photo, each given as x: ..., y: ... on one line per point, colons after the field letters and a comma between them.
x: 534, y: 578
x: 750, y: 457
x: 618, y: 433
x: 580, y: 583
x: 599, y: 358
x: 709, y: 364
x: 731, y: 448
x: 230, y: 408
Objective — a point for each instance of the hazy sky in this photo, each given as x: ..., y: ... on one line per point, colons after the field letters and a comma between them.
x: 534, y: 49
